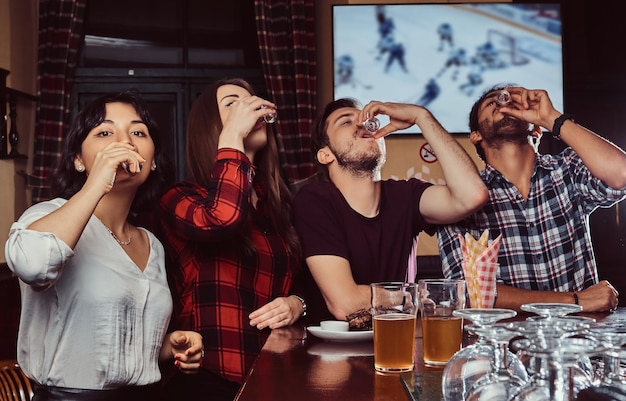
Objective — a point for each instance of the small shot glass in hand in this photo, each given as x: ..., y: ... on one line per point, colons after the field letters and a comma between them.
x: 504, y: 98
x: 371, y: 124
x: 269, y: 118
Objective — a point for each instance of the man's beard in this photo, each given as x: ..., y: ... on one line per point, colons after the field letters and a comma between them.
x: 507, y: 130
x: 362, y: 164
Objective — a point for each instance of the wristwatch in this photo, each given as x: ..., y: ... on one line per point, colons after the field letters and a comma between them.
x: 303, y: 304
x: 558, y: 122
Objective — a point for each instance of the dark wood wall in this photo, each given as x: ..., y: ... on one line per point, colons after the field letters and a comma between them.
x: 595, y: 93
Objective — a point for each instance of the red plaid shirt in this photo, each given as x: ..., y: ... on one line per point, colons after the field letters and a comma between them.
x: 217, y: 283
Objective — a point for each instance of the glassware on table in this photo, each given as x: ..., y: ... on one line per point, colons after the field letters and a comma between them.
x: 476, y: 360
x: 394, y: 313
x: 442, y: 332
x: 559, y: 383
x: 549, y: 310
x: 500, y: 383
x: 613, y: 335
x: 548, y: 334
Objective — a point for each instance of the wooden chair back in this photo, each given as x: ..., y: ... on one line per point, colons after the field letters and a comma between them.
x: 14, y: 385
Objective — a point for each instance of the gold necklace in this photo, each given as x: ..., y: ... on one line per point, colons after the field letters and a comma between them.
x: 130, y: 237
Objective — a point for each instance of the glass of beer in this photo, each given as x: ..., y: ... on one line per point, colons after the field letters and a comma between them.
x: 394, y: 313
x: 442, y: 332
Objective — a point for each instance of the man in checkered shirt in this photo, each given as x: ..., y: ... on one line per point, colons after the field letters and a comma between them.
x: 539, y: 203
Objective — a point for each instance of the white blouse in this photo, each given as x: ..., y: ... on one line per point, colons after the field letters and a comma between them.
x: 101, y: 321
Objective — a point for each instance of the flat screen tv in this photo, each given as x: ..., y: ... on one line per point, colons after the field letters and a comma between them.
x: 443, y: 56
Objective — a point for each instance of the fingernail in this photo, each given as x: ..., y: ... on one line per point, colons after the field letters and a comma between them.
x: 177, y: 363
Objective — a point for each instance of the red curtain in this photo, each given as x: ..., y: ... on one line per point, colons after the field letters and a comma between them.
x: 286, y: 34
x: 60, y: 32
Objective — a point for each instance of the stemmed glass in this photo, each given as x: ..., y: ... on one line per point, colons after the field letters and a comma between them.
x: 543, y: 337
x: 559, y: 383
x: 476, y: 360
x: 551, y: 310
x: 500, y: 384
x: 613, y: 335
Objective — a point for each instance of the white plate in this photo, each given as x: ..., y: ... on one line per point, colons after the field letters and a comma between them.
x: 335, y: 351
x: 341, y: 335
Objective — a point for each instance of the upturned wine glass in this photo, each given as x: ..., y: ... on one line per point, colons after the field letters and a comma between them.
x: 613, y: 335
x: 547, y: 334
x: 548, y: 310
x: 559, y: 383
x: 476, y: 360
x: 501, y: 383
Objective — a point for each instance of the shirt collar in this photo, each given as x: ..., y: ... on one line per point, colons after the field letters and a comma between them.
x: 545, y: 162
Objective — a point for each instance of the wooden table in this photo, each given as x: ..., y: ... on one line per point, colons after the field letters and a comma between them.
x: 295, y: 365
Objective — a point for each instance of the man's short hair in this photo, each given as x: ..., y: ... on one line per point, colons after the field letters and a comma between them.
x: 473, y: 116
x: 319, y: 136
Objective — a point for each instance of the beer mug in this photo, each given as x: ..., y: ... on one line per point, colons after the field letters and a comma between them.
x: 394, y: 313
x: 442, y: 332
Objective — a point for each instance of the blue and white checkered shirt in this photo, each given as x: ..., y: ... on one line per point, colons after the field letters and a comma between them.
x: 546, y: 243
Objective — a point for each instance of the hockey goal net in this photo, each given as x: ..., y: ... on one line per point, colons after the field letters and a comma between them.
x: 506, y: 45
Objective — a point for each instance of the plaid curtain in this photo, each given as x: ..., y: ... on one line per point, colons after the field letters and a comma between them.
x: 60, y: 32
x: 286, y: 33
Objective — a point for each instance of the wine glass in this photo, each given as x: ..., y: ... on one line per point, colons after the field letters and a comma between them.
x: 559, y: 383
x: 501, y: 383
x: 550, y: 310
x: 613, y: 335
x: 475, y: 360
x: 548, y: 334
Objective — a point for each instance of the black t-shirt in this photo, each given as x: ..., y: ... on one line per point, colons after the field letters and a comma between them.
x: 377, y: 248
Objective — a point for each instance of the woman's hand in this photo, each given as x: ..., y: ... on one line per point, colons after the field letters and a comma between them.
x: 102, y: 171
x: 282, y: 311
x: 186, y: 348
x: 240, y: 118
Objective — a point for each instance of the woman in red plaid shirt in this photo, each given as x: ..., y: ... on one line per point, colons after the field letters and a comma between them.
x: 230, y: 238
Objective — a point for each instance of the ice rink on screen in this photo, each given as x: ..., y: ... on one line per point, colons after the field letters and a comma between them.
x: 355, y: 33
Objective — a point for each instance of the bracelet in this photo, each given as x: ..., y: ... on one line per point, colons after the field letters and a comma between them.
x: 575, y: 298
x: 302, y: 302
x: 558, y: 122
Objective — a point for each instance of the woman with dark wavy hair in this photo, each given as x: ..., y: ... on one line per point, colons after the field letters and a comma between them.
x: 95, y: 298
x: 67, y: 181
x: 229, y: 233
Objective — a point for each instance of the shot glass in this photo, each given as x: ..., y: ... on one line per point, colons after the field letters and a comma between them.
x: 394, y: 313
x: 270, y: 118
x: 371, y: 124
x: 503, y: 98
x: 442, y: 332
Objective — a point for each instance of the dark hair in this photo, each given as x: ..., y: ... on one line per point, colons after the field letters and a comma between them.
x: 319, y: 136
x: 67, y: 181
x: 204, y: 127
x: 473, y: 116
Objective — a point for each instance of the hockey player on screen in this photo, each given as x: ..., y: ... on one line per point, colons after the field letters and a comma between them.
x: 432, y: 91
x: 386, y: 29
x: 445, y: 36
x: 344, y: 73
x: 456, y: 60
x: 474, y: 79
x: 396, y: 52
x: 488, y: 56
x: 345, y: 70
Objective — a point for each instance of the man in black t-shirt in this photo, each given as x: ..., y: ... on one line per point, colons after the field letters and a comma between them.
x: 356, y: 229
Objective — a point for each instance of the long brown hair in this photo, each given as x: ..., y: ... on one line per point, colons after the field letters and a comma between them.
x: 203, y: 130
